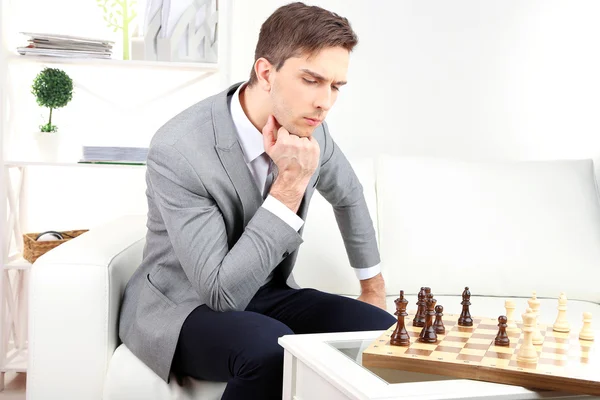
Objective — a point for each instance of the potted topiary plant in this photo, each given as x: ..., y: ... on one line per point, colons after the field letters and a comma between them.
x: 52, y: 89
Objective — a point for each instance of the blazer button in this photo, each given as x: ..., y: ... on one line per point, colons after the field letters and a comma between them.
x: 285, y: 254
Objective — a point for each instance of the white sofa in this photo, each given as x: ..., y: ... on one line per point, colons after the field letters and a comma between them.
x: 504, y: 229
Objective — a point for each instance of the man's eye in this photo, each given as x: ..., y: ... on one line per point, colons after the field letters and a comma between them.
x: 337, y: 89
x: 309, y: 81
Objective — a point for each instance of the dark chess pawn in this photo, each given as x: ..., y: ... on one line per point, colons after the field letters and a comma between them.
x: 428, y: 334
x: 438, y: 324
x: 400, y: 336
x: 465, y: 316
x: 419, y: 319
x: 502, y: 338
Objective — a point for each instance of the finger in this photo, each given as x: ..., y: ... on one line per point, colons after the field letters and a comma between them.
x: 282, y: 133
x: 269, y: 133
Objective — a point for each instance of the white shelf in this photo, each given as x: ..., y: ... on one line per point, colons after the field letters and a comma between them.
x: 18, y: 263
x: 18, y: 363
x: 32, y: 163
x: 165, y: 65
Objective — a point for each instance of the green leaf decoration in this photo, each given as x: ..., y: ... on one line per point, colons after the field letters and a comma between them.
x: 52, y: 89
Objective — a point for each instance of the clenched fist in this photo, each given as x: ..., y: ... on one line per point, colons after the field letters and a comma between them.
x: 296, y: 159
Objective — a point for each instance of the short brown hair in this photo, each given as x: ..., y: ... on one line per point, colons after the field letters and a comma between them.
x: 296, y: 29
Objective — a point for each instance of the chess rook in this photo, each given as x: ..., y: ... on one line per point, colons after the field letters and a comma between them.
x: 400, y: 336
x: 465, y: 316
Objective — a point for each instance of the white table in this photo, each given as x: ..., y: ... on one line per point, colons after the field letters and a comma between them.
x: 328, y: 366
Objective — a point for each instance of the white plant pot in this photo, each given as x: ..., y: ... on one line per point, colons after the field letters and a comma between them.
x: 47, y: 144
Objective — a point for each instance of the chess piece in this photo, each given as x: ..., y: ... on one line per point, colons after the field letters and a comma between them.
x: 425, y: 312
x: 400, y: 336
x: 534, y: 304
x: 502, y: 338
x: 510, y: 315
x: 428, y: 334
x: 586, y: 331
x: 465, y: 316
x: 562, y: 324
x: 419, y: 319
x: 527, y: 352
x: 438, y: 324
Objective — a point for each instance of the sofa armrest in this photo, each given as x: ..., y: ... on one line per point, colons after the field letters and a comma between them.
x: 75, y: 292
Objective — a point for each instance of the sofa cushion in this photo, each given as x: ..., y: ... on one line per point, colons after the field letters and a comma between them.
x: 501, y: 228
x: 128, y: 378
x: 322, y: 261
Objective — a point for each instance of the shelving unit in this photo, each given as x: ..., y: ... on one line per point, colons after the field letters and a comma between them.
x: 137, y: 64
x: 14, y: 271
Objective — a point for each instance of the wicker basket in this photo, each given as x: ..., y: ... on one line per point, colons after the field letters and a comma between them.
x: 33, y: 249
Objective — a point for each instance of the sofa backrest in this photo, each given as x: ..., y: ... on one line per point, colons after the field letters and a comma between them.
x: 500, y: 228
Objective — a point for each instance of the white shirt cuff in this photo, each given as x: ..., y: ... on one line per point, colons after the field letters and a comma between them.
x: 366, y: 273
x: 282, y: 211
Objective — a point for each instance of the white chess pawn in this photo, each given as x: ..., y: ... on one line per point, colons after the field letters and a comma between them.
x: 586, y: 331
x: 562, y: 324
x: 534, y: 304
x: 527, y: 352
x: 510, y: 315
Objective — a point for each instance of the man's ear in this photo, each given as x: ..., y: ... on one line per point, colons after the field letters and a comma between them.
x: 263, y: 70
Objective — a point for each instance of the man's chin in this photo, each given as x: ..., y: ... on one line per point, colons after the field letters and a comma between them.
x: 302, y: 132
x: 306, y: 131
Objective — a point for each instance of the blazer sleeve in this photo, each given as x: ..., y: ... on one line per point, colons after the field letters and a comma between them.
x: 340, y: 186
x: 225, y: 279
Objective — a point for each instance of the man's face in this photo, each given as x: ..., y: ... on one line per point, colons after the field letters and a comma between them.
x: 305, y: 88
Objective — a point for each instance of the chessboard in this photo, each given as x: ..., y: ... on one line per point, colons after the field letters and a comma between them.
x: 565, y: 362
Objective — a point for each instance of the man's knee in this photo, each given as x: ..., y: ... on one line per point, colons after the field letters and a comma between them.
x: 382, y: 319
x: 262, y: 351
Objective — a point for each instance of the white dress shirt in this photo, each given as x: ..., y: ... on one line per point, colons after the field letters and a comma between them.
x: 251, y: 141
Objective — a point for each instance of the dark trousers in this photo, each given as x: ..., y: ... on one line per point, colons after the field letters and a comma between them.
x: 240, y: 347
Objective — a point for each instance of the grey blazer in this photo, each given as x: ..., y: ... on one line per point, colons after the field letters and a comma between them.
x: 209, y: 241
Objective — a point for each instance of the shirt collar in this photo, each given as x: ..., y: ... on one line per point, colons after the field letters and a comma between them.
x: 251, y: 139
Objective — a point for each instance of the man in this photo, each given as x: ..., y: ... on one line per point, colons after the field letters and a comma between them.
x: 229, y: 181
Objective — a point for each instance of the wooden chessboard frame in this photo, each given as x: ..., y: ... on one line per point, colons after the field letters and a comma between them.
x: 565, y: 362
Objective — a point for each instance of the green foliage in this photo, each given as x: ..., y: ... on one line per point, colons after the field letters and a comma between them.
x: 52, y: 88
x: 118, y: 14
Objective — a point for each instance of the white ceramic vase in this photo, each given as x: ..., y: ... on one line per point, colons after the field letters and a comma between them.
x: 47, y: 144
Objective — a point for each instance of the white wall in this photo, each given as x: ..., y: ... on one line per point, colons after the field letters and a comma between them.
x: 514, y: 79
x: 461, y: 78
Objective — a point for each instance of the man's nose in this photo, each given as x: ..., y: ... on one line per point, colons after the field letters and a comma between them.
x: 325, y: 99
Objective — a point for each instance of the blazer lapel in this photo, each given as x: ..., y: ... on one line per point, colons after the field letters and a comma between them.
x: 232, y: 157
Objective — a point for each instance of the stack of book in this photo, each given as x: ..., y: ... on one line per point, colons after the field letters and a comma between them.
x: 56, y: 45
x: 114, y: 155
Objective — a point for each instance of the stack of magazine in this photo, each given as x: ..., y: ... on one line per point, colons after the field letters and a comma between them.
x: 56, y: 45
x: 114, y: 155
